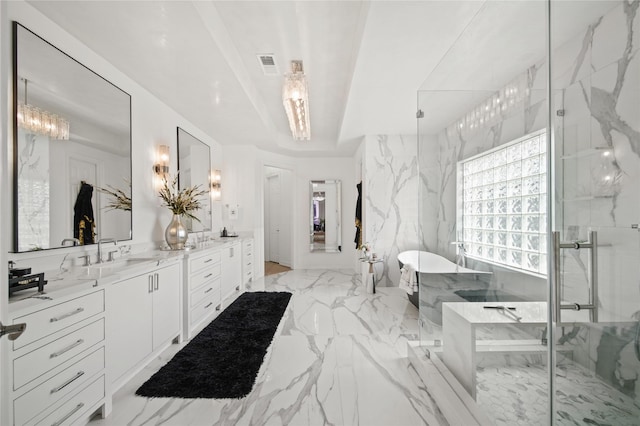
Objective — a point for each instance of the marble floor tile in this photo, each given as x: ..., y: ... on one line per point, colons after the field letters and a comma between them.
x: 338, y: 358
x: 519, y: 395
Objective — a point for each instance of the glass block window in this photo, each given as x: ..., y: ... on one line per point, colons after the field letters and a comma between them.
x: 503, y: 194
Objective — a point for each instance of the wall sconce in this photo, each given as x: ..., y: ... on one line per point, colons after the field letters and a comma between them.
x: 216, y: 186
x: 162, y: 166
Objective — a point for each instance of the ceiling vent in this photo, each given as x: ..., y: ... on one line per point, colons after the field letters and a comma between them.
x: 268, y: 64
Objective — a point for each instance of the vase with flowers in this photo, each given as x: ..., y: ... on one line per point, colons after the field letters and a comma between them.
x: 181, y: 202
x: 366, y: 250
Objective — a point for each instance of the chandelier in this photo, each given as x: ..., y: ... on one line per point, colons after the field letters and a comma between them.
x: 41, y: 122
x: 295, y: 97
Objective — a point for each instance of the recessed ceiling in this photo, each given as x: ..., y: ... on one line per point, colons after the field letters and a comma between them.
x: 365, y: 61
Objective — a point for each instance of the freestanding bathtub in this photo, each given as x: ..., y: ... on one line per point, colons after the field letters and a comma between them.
x: 425, y: 262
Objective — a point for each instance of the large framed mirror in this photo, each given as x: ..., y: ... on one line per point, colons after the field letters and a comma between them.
x: 325, y: 213
x: 72, y: 150
x: 194, y: 168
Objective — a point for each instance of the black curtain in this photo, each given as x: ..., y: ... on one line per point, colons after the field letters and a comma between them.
x: 358, y: 239
x: 83, y: 221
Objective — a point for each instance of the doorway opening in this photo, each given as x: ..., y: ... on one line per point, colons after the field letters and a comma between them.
x: 278, y: 220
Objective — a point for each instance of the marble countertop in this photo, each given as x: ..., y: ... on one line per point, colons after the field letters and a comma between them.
x: 83, y: 279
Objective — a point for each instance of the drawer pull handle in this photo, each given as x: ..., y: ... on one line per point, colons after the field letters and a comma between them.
x: 208, y: 304
x: 68, y: 382
x: 67, y: 315
x: 218, y: 308
x: 71, y: 413
x: 67, y: 349
x: 208, y: 260
x: 208, y: 275
x: 208, y: 290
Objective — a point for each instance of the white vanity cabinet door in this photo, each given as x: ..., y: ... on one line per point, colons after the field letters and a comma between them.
x: 166, y: 304
x: 231, y: 269
x: 129, y: 324
x: 143, y: 313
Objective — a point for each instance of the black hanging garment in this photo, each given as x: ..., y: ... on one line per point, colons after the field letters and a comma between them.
x: 83, y: 221
x: 358, y: 239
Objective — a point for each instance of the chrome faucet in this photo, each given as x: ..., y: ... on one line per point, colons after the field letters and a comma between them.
x: 102, y: 241
x: 75, y: 241
x: 460, y: 253
x: 202, y: 240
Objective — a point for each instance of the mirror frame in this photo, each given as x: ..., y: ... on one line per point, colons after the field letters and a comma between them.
x: 338, y: 185
x: 14, y: 123
x: 207, y: 184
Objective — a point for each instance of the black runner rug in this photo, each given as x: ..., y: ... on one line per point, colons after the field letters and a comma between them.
x: 223, y: 360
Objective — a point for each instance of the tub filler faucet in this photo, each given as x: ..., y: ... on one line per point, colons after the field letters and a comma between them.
x: 460, y: 253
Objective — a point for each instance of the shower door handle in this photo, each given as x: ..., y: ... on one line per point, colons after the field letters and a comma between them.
x: 591, y: 245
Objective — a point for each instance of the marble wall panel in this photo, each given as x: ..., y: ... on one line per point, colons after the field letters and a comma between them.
x: 599, y: 191
x: 390, y: 191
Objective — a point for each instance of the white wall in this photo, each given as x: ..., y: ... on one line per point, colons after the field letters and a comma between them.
x: 304, y: 170
x: 153, y: 123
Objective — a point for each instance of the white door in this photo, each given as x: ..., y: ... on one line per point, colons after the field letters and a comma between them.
x: 273, y: 212
x: 166, y: 304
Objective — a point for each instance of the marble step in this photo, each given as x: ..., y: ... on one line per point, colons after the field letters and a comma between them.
x: 526, y: 346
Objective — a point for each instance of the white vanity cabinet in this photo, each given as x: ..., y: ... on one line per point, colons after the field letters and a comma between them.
x: 143, y: 316
x: 201, y: 290
x: 247, y: 260
x: 59, y: 361
x: 231, y: 269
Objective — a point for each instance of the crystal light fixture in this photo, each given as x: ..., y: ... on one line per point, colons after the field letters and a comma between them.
x: 39, y: 121
x: 295, y: 97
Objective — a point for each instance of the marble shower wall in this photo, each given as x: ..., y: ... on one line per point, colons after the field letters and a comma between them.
x: 439, y: 154
x: 33, y: 191
x: 596, y: 78
x: 390, y: 200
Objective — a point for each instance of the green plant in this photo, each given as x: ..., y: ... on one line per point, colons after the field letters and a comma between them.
x: 181, y: 202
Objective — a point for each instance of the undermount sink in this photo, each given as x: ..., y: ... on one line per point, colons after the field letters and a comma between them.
x: 103, y: 269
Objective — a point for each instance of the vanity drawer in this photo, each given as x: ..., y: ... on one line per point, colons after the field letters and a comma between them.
x: 212, y: 288
x: 204, y: 261
x: 55, y: 318
x: 207, y: 307
x: 76, y: 407
x: 40, y: 360
x: 62, y: 384
x: 200, y: 278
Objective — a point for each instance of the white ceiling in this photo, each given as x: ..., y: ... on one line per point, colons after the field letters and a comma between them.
x: 365, y: 61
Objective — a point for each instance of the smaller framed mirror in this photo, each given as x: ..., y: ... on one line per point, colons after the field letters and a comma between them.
x: 194, y: 168
x: 325, y: 214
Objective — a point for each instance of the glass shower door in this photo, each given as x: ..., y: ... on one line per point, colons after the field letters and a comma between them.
x: 596, y: 210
